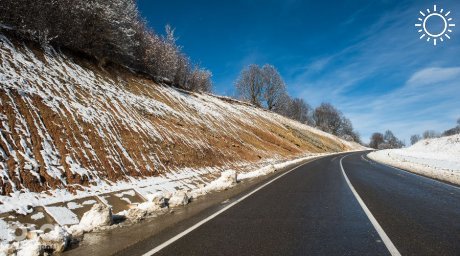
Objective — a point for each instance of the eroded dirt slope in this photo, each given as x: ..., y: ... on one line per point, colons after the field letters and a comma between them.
x: 66, y: 122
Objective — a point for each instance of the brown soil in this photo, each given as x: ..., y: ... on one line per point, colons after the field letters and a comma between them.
x: 194, y: 139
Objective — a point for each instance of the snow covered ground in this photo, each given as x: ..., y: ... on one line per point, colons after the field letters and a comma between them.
x: 438, y: 158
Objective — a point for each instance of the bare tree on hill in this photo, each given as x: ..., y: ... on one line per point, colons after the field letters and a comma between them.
x: 274, y: 87
x: 264, y: 87
x: 453, y: 131
x: 299, y: 110
x: 328, y: 118
x: 415, y: 138
x: 283, y: 106
x: 429, y: 134
x: 385, y: 141
x: 110, y: 31
x: 376, y: 140
x: 250, y: 84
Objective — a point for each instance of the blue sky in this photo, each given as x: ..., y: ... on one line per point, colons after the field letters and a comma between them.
x: 365, y: 57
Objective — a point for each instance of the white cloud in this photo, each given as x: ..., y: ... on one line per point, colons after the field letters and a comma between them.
x: 434, y: 75
x: 428, y: 100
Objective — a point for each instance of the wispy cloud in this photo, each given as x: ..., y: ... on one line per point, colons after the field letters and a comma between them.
x: 388, y: 78
x: 428, y: 100
x: 430, y: 76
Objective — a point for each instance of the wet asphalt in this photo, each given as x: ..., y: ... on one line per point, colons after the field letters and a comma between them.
x: 312, y: 211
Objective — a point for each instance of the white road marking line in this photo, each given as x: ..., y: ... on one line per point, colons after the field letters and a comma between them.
x: 386, y: 240
x: 362, y: 157
x: 190, y: 229
x: 412, y: 173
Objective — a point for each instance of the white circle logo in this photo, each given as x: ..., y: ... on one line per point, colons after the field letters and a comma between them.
x: 435, y: 25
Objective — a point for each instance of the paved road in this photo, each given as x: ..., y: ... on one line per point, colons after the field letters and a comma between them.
x: 312, y: 211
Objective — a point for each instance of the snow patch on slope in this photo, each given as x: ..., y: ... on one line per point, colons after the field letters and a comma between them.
x: 84, y: 127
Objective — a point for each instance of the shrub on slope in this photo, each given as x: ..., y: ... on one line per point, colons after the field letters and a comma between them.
x: 109, y: 30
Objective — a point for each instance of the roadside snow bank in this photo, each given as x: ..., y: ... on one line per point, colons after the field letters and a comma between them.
x: 52, y: 242
x: 179, y: 198
x: 99, y: 216
x: 23, y: 203
x: 438, y: 158
x: 55, y: 241
x: 260, y: 172
x: 226, y: 180
x: 6, y: 234
x: 274, y: 167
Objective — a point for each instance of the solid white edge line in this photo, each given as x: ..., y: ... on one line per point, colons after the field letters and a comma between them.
x: 386, y: 240
x: 190, y: 229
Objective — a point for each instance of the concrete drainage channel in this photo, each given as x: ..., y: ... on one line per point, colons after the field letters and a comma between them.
x: 68, y: 213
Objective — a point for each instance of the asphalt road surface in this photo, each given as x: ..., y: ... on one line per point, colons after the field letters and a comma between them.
x: 312, y: 210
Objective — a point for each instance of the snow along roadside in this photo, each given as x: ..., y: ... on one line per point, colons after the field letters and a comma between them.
x: 100, y: 216
x: 437, y: 158
x: 399, y: 161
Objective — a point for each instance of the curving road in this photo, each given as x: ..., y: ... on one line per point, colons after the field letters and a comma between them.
x: 313, y: 210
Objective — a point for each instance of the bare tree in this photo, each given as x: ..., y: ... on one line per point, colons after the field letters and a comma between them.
x: 429, y: 134
x: 299, y: 110
x: 387, y: 141
x: 389, y: 138
x: 347, y: 132
x: 414, y: 139
x: 296, y: 109
x: 110, y: 31
x: 356, y: 137
x: 183, y: 72
x: 346, y: 127
x: 265, y: 87
x: 376, y: 140
x: 453, y: 131
x: 328, y: 118
x: 250, y: 84
x: 283, y: 106
x: 200, y: 80
x: 391, y: 141
x: 274, y: 87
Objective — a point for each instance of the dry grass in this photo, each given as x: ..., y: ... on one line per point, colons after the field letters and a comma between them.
x: 136, y: 140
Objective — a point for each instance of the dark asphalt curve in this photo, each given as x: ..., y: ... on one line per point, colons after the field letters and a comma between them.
x: 312, y: 211
x: 421, y: 216
x: 309, y: 211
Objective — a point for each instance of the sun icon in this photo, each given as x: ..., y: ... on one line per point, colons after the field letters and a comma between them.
x: 435, y: 24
